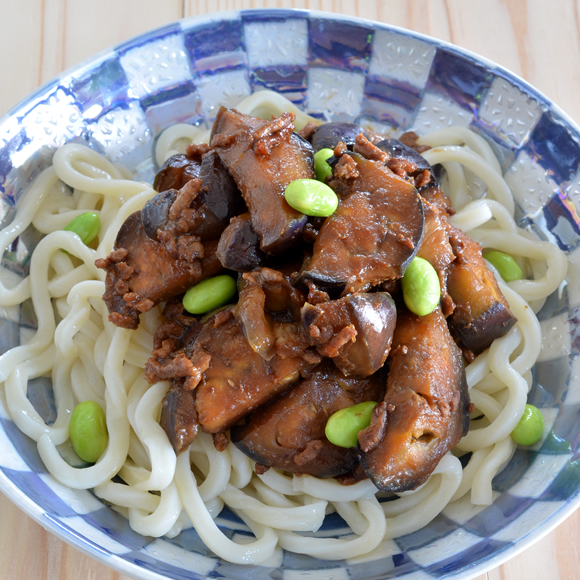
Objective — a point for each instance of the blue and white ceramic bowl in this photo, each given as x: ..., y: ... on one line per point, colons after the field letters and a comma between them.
x: 335, y: 68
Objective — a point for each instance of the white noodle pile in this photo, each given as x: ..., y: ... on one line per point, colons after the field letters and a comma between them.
x: 91, y: 359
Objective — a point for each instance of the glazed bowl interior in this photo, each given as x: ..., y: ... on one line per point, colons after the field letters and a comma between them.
x: 335, y: 69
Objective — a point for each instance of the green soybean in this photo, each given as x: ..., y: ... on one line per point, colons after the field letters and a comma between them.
x: 421, y: 289
x: 530, y: 427
x: 505, y: 265
x: 209, y: 294
x: 311, y: 197
x: 343, y: 426
x: 86, y: 226
x: 88, y: 431
x: 321, y: 167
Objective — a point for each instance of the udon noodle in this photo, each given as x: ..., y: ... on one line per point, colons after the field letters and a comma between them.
x: 89, y: 358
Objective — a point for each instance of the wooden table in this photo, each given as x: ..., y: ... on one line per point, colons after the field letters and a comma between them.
x: 536, y: 39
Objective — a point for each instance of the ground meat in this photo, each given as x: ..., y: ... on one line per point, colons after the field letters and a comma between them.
x: 410, y: 139
x: 365, y: 148
x: 307, y: 131
x: 346, y: 168
x: 273, y: 133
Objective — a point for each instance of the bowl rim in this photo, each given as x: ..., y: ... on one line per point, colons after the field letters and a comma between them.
x: 118, y: 563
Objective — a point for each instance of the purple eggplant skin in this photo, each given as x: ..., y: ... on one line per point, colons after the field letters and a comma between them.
x: 330, y: 134
x: 148, y: 271
x: 239, y: 246
x: 365, y: 320
x: 399, y: 150
x: 426, y: 408
x: 219, y: 199
x: 176, y: 172
x: 288, y: 433
x: 155, y: 213
x: 263, y: 157
x: 374, y: 233
x: 179, y: 418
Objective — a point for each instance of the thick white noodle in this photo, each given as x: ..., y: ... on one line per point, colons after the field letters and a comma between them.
x: 339, y: 548
x: 173, y: 139
x: 462, y: 136
x: 90, y: 359
x: 494, y: 180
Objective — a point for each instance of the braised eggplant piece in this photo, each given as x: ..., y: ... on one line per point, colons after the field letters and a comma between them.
x: 375, y: 231
x: 230, y: 379
x: 238, y: 380
x: 142, y: 272
x: 176, y: 172
x: 481, y: 312
x: 355, y: 331
x: 239, y: 246
x: 288, y: 433
x: 426, y: 408
x: 263, y: 157
x: 433, y: 194
x: 435, y: 246
x: 329, y: 135
x: 155, y: 213
x: 437, y: 250
x: 208, y: 212
x: 398, y: 150
x: 219, y: 199
x: 268, y: 310
x: 179, y: 418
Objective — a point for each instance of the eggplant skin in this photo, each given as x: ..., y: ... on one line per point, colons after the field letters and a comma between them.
x: 256, y: 154
x: 219, y: 199
x: 176, y: 172
x: 356, y: 331
x: 374, y: 233
x: 477, y: 335
x: 239, y: 246
x: 481, y: 312
x: 179, y: 418
x: 426, y: 408
x: 155, y: 213
x: 399, y: 150
x: 288, y: 433
x: 328, y: 135
x: 145, y: 273
x: 217, y: 202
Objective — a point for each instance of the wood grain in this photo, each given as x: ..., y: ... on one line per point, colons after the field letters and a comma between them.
x: 537, y: 40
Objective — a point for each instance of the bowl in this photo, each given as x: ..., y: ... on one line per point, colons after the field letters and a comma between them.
x: 335, y: 68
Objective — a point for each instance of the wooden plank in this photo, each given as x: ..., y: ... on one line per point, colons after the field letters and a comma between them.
x: 21, y: 40
x: 29, y: 552
x: 41, y: 38
x: 50, y: 36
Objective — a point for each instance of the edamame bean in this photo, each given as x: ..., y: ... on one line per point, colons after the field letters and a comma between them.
x: 530, y: 428
x: 209, y: 294
x: 343, y: 426
x: 86, y: 226
x: 311, y: 197
x: 505, y: 265
x: 321, y: 167
x: 88, y: 431
x: 421, y: 289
